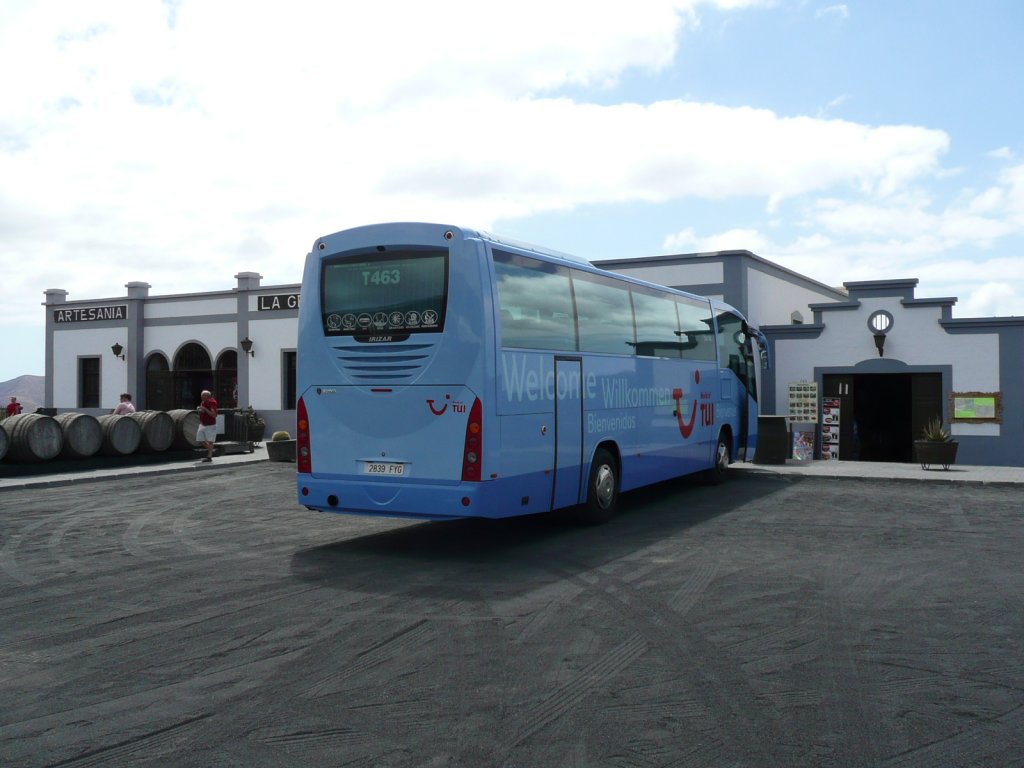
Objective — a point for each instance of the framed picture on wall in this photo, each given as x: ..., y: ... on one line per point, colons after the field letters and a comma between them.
x: 976, y: 407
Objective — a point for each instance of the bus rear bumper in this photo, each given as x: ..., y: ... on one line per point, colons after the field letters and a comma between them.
x: 422, y: 501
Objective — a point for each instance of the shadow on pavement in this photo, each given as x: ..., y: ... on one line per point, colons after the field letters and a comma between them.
x: 473, y: 558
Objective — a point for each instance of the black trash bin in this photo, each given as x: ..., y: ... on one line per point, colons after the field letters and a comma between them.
x: 774, y: 443
x: 236, y: 427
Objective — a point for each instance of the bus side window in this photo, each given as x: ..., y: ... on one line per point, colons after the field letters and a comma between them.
x: 732, y: 346
x: 696, y: 327
x: 538, y: 297
x: 607, y: 304
x: 657, y: 325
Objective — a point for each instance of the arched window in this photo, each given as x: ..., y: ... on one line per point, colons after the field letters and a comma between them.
x: 193, y: 373
x: 159, y: 395
x: 192, y: 357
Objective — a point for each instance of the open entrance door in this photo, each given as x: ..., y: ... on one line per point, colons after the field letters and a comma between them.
x: 882, y: 413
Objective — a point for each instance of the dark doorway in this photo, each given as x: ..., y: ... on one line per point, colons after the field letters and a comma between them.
x: 192, y: 374
x: 882, y: 413
x: 226, y: 380
x: 159, y: 384
x: 881, y: 417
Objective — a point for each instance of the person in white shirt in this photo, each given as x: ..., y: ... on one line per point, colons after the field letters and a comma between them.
x: 125, y: 406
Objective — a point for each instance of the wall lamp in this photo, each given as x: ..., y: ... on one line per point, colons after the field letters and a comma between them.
x: 118, y: 350
x: 247, y: 346
x: 880, y: 343
x: 880, y: 323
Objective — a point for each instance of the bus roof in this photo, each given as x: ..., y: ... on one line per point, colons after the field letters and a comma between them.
x: 549, y: 253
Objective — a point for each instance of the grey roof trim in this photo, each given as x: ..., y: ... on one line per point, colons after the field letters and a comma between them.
x: 679, y: 257
x: 966, y: 323
x: 88, y: 324
x: 874, y: 285
x: 809, y: 330
x: 834, y: 305
x: 700, y: 289
x: 759, y: 262
x: 228, y: 318
x: 939, y: 301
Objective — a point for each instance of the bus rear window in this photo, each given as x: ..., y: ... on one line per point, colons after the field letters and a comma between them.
x: 398, y: 292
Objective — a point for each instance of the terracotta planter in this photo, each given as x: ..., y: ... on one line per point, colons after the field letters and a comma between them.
x: 281, y: 450
x: 930, y: 452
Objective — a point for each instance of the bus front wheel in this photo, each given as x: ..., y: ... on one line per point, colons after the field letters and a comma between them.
x: 602, y: 489
x: 723, y: 452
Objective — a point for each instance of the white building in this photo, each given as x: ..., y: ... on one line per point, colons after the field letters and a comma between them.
x: 164, y: 350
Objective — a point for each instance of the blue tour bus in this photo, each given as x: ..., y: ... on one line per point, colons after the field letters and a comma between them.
x: 447, y: 373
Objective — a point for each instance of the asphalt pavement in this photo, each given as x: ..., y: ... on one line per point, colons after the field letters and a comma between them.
x: 201, y: 617
x: 864, y: 470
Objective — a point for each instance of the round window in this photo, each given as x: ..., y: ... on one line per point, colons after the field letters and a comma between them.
x: 880, y: 321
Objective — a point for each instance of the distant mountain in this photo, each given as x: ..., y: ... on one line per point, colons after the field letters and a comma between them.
x: 28, y: 389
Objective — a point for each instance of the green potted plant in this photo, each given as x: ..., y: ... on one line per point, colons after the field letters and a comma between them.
x: 936, y: 446
x: 281, y: 447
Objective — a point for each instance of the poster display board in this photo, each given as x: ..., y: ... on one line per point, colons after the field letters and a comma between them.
x: 830, y: 428
x: 803, y: 402
x: 976, y: 407
x: 803, y: 444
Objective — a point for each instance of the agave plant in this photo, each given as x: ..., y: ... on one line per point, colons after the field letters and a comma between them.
x: 935, y: 432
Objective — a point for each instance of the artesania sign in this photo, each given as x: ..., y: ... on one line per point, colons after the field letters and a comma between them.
x: 277, y: 301
x: 90, y: 314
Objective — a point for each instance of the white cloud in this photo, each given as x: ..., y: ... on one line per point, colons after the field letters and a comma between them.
x: 903, y: 237
x: 840, y: 11
x: 991, y: 299
x: 687, y: 241
x: 157, y: 152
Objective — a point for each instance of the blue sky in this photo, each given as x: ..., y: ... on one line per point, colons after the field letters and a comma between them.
x: 180, y: 142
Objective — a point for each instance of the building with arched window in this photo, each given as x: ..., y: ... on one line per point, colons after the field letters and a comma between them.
x: 165, y: 350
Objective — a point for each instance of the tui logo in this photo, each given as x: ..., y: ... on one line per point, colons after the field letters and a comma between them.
x: 685, y: 427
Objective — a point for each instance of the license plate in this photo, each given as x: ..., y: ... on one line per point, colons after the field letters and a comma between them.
x: 383, y: 468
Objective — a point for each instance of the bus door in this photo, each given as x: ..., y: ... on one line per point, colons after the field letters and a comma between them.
x: 568, y: 474
x: 733, y: 392
x: 746, y: 395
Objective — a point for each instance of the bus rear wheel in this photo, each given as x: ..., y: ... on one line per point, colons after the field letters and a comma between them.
x: 602, y: 490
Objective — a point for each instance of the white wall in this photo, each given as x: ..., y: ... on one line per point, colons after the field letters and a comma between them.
x: 69, y: 345
x: 187, y: 308
x: 216, y: 337
x: 686, y: 273
x: 771, y: 300
x: 266, y: 369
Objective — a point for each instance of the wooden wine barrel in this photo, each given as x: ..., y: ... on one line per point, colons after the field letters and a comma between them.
x: 83, y: 435
x: 4, y: 441
x: 157, y: 430
x: 33, y: 437
x: 121, y: 435
x: 186, y: 424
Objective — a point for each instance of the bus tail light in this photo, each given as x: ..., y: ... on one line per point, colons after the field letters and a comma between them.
x: 303, y: 451
x: 472, y: 451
